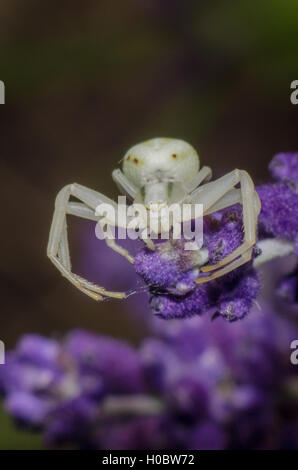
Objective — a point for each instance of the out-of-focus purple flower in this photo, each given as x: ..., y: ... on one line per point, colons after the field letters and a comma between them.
x: 207, y: 435
x: 279, y: 213
x: 137, y: 433
x: 60, y: 384
x: 28, y: 409
x: 71, y: 421
x: 284, y: 167
x: 115, y: 362
x: 205, y: 385
x: 38, y: 350
x: 189, y: 396
x: 287, y: 288
x: 33, y: 366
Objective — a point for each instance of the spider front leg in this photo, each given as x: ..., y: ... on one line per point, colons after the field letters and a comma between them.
x: 58, y: 250
x: 227, y: 269
x: 111, y: 242
x: 204, y: 174
x: 124, y: 185
x: 251, y: 208
x: 220, y: 194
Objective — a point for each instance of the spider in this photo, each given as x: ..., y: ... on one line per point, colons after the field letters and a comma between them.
x: 158, y: 171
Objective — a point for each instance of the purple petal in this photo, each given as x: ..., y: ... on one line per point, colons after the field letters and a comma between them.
x: 70, y: 420
x: 207, y: 436
x: 288, y: 288
x: 27, y: 408
x: 168, y: 267
x: 115, y: 361
x: 279, y: 212
x: 38, y: 350
x: 284, y: 167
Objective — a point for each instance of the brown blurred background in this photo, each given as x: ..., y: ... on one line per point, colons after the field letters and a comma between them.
x: 86, y: 80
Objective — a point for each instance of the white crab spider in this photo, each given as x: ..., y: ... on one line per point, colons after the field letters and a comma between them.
x: 158, y: 171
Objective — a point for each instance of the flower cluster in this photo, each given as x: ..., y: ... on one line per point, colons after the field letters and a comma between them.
x: 59, y: 386
x: 279, y: 215
x: 170, y: 271
x: 196, y: 384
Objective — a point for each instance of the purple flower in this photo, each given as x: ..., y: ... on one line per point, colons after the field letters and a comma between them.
x: 169, y: 267
x: 231, y: 296
x: 284, y: 167
x: 33, y: 366
x: 137, y: 433
x: 204, y: 385
x: 235, y: 304
x: 287, y: 288
x: 115, y: 362
x: 59, y: 385
x: 226, y: 236
x: 189, y: 396
x: 27, y: 409
x: 207, y: 435
x: 195, y: 303
x: 37, y: 349
x: 70, y: 421
x: 279, y: 213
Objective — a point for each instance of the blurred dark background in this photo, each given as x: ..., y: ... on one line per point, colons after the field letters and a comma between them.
x: 85, y: 81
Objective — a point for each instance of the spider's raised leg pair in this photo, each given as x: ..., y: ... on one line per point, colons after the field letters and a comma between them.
x: 220, y: 194
x: 58, y: 250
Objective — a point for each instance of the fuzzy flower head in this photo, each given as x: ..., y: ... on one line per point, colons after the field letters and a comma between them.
x: 171, y: 271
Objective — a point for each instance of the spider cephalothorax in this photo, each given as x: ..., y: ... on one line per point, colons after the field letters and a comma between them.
x: 157, y: 173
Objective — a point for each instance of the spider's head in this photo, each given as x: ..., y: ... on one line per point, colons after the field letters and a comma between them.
x: 160, y: 160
